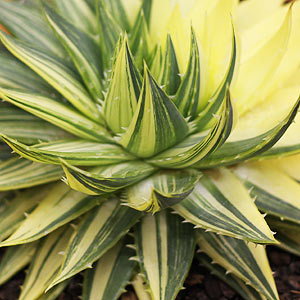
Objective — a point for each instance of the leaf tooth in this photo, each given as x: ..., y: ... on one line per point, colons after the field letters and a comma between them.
x: 131, y: 246
x: 135, y: 258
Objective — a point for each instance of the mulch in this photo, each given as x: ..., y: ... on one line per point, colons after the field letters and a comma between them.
x: 200, y: 284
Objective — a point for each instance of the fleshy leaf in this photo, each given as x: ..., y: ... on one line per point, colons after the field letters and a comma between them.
x: 221, y: 203
x: 56, y: 72
x: 98, y: 231
x: 17, y: 173
x: 246, y: 261
x: 73, y: 151
x: 165, y: 269
x: 123, y: 92
x: 197, y: 146
x: 15, y: 259
x: 60, y: 206
x: 107, y: 179
x: 275, y: 192
x: 111, y: 274
x: 56, y: 113
x: 45, y: 264
x: 289, y: 241
x: 54, y: 293
x: 161, y: 190
x: 156, y: 118
x: 140, y: 287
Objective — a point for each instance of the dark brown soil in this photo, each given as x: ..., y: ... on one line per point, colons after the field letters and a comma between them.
x: 200, y: 284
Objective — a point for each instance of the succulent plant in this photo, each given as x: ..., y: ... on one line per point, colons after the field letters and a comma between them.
x: 171, y: 126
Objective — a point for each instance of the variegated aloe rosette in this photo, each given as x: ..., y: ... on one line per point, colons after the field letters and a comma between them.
x: 176, y: 114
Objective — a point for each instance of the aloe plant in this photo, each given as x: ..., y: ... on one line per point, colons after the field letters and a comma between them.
x: 171, y: 126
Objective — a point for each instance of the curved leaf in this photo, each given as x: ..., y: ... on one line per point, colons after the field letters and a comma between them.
x: 165, y: 269
x: 221, y: 203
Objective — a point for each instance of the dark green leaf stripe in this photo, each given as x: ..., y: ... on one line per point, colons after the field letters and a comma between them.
x: 106, y: 179
x: 213, y: 206
x: 98, y: 231
x: 161, y: 190
x: 247, y: 261
x: 60, y: 206
x: 45, y: 264
x: 111, y: 274
x: 247, y: 292
x: 5, y: 152
x: 56, y: 113
x: 164, y: 269
x: 55, y: 292
x: 17, y: 173
x: 280, y: 224
x: 156, y: 118
x: 15, y: 259
x: 27, y: 24
x: 83, y: 50
x: 123, y: 92
x: 73, y: 151
x: 56, y: 72
x: 237, y: 151
x: 289, y: 242
x: 197, y: 146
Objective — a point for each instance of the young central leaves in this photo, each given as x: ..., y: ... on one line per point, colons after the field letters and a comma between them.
x: 124, y: 91
x: 156, y: 124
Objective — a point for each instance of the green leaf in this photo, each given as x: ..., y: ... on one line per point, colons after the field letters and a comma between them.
x: 27, y: 24
x: 247, y: 292
x: 236, y: 151
x: 109, y: 32
x: 123, y: 92
x: 169, y: 76
x: 197, y: 146
x: 17, y: 173
x: 45, y: 264
x: 140, y: 288
x: 83, y: 50
x: 111, y: 274
x: 56, y: 72
x: 161, y: 190
x: 106, y: 179
x: 156, y: 61
x: 275, y: 192
x: 56, y: 292
x: 5, y: 152
x: 98, y: 231
x: 187, y: 98
x: 27, y: 128
x: 60, y: 206
x: 221, y: 203
x: 147, y: 6
x: 289, y: 241
x: 165, y: 269
x: 74, y: 151
x: 79, y: 12
x: 56, y: 113
x: 247, y: 261
x: 15, y: 259
x: 156, y: 118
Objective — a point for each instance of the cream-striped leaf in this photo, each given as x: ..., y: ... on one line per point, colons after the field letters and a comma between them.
x: 98, y: 231
x: 108, y: 278
x: 246, y: 291
x: 15, y: 259
x: 17, y: 173
x: 165, y: 269
x: 156, y: 118
x: 27, y: 24
x: 123, y: 92
x: 27, y: 128
x: 140, y: 287
x: 46, y: 264
x: 55, y: 293
x: 247, y: 261
x: 60, y: 206
x: 57, y: 73
x: 106, y: 179
x: 79, y: 13
x: 198, y: 146
x: 83, y: 50
x: 236, y: 151
x: 56, y: 113
x: 275, y: 192
x: 74, y: 151
x: 161, y: 190
x: 216, y: 206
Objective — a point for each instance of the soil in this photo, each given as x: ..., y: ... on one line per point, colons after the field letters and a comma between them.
x: 199, y: 285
